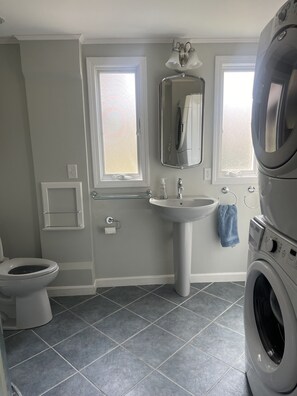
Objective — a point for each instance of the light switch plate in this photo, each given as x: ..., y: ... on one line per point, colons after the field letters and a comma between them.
x: 207, y: 174
x: 72, y: 171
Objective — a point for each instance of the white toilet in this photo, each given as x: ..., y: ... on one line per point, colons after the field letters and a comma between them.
x: 24, y: 301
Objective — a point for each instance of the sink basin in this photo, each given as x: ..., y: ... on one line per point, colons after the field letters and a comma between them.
x: 184, y: 210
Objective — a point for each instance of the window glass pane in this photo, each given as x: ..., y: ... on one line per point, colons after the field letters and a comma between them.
x: 237, y: 148
x: 118, y: 120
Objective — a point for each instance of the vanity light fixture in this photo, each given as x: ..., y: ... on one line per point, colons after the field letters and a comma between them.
x: 183, y: 57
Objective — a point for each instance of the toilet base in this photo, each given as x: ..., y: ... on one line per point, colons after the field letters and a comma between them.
x: 32, y: 310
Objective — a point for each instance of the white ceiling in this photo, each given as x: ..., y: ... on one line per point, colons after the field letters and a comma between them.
x: 138, y: 19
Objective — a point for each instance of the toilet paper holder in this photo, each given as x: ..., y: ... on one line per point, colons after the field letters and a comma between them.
x: 111, y: 221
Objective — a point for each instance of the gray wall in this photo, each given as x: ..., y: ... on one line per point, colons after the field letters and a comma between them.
x: 142, y: 247
x: 18, y: 215
x: 56, y: 93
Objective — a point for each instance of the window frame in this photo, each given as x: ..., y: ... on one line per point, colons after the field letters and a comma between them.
x: 222, y: 64
x: 137, y: 65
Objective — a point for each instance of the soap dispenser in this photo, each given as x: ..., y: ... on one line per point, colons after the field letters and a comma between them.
x: 163, y: 192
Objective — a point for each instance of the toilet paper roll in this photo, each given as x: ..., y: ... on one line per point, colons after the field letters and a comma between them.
x: 110, y: 230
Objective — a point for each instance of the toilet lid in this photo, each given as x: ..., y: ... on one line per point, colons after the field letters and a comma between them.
x: 9, y: 268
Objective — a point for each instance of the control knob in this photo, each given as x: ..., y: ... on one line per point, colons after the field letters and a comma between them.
x: 271, y: 245
x: 282, y: 15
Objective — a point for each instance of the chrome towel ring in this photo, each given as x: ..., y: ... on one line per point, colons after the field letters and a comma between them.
x: 226, y: 190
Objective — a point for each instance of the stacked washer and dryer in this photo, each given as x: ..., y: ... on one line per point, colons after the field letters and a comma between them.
x: 270, y: 310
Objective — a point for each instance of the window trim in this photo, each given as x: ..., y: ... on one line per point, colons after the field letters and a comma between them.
x: 118, y: 64
x: 222, y: 64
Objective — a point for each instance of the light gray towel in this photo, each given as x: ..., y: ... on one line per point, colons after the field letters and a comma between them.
x: 227, y: 225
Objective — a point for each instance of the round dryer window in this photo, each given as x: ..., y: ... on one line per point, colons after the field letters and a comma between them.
x: 270, y: 327
x: 274, y: 120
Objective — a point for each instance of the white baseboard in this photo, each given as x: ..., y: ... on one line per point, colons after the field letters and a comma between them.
x: 55, y: 291
x: 161, y: 279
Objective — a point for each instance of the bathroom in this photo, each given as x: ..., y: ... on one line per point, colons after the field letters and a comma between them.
x: 44, y: 109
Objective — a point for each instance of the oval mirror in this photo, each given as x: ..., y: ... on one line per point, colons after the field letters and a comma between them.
x: 181, y: 120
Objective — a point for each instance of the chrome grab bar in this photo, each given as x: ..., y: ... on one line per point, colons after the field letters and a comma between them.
x: 143, y: 195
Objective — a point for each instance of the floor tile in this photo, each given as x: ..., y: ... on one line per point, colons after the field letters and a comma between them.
x: 239, y: 364
x: 117, y: 372
x: 234, y: 383
x: 95, y: 309
x: 157, y: 384
x: 220, y: 342
x: 90, y: 343
x: 71, y: 301
x: 232, y: 318
x: 76, y: 385
x: 240, y: 302
x: 101, y: 290
x: 62, y: 326
x: 226, y: 290
x: 9, y: 333
x: 206, y: 305
x: 40, y: 373
x: 151, y: 307
x: 194, y: 370
x: 125, y: 295
x: 241, y: 283
x: 200, y: 285
x: 168, y: 292
x: 153, y: 345
x: 23, y: 346
x: 183, y: 323
x: 56, y: 308
x: 150, y: 288
x: 121, y: 325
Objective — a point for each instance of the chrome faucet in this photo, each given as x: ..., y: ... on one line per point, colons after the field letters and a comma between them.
x: 180, y: 188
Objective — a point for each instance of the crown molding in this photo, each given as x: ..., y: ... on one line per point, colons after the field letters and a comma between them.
x: 8, y: 40
x: 125, y: 41
x: 45, y: 37
x: 168, y: 40
x: 83, y: 40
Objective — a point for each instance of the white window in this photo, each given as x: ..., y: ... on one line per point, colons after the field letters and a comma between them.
x: 233, y: 157
x: 118, y: 121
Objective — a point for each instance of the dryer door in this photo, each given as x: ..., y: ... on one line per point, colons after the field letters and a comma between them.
x: 271, y: 328
x: 274, y: 118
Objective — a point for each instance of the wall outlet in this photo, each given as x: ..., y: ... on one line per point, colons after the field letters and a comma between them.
x: 72, y: 171
x: 207, y: 174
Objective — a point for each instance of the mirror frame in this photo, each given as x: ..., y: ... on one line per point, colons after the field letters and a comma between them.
x: 161, y: 118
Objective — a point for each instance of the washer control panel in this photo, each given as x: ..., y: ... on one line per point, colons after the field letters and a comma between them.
x: 282, y: 250
x: 286, y: 15
x: 255, y: 234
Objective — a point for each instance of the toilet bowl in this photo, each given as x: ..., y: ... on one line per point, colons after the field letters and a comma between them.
x: 24, y: 301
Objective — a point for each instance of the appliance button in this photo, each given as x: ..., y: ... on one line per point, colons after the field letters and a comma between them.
x: 282, y: 15
x: 271, y: 245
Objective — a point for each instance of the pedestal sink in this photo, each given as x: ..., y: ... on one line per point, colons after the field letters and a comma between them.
x: 183, y: 212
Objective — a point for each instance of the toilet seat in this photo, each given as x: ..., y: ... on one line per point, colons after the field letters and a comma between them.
x: 9, y: 265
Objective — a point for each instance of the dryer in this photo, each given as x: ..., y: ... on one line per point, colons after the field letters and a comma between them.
x: 270, y: 311
x: 274, y: 119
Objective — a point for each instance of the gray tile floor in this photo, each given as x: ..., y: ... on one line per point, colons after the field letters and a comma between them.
x: 136, y: 341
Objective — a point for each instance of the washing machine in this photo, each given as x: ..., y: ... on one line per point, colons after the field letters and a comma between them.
x: 270, y: 311
x: 274, y: 119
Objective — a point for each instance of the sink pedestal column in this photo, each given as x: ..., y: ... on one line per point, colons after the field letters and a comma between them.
x: 182, y: 256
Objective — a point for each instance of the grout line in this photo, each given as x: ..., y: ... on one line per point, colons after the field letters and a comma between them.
x: 75, y: 305
x: 72, y: 375
x: 218, y: 381
x: 223, y: 299
x: 31, y: 357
